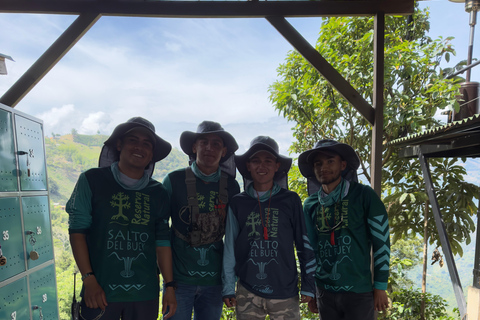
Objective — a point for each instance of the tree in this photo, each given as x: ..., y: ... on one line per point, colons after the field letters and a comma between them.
x: 415, y: 88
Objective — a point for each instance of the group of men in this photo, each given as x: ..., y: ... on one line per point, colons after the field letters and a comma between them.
x: 215, y: 245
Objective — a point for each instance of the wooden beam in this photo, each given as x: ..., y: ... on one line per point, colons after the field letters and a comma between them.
x: 377, y: 131
x: 211, y: 9
x: 323, y: 67
x: 49, y: 59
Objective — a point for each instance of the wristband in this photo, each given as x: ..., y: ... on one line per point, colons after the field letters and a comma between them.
x: 172, y: 284
x: 86, y: 275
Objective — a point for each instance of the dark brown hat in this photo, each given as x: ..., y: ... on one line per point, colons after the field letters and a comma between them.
x: 346, y: 152
x: 109, y: 153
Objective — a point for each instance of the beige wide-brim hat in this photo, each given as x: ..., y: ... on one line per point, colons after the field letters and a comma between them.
x: 188, y: 138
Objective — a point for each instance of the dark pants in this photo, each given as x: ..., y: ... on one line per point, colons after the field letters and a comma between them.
x: 145, y: 310
x: 345, y: 305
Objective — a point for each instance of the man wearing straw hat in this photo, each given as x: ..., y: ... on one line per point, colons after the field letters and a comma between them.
x: 199, y: 195
x: 345, y: 222
x: 264, y: 226
x: 118, y: 225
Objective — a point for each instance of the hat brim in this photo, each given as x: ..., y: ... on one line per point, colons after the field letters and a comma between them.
x: 160, y: 151
x: 305, y: 160
x: 241, y: 161
x: 188, y: 138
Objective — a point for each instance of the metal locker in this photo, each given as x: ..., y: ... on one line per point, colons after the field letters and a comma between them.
x: 38, y: 234
x: 11, y: 238
x: 43, y: 294
x: 14, y: 301
x: 8, y: 167
x: 27, y: 269
x: 31, y: 154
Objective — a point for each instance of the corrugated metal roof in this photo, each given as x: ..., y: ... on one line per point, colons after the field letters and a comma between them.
x: 441, y: 134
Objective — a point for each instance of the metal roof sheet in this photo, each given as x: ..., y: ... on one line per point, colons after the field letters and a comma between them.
x: 441, y: 134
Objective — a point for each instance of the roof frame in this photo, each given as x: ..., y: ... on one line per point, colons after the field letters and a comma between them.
x: 211, y: 9
x: 92, y: 10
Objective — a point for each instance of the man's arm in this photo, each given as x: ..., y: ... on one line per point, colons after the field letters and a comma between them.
x: 164, y: 260
x: 94, y: 295
x: 380, y: 299
x: 79, y: 208
x: 305, y: 253
x: 380, y: 237
x: 228, y: 269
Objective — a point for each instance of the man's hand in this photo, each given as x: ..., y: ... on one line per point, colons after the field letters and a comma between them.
x: 169, y: 303
x: 304, y: 298
x: 380, y: 299
x: 94, y: 295
x: 230, y: 302
x: 312, y: 305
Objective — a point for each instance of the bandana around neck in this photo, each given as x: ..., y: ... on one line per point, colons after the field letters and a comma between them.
x: 338, y: 193
x: 126, y: 182
x: 214, y: 177
x: 265, y: 196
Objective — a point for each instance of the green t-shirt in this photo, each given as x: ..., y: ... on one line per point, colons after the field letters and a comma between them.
x: 200, y: 265
x: 343, y: 257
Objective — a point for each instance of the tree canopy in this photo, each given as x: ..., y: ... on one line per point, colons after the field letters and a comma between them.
x: 416, y: 88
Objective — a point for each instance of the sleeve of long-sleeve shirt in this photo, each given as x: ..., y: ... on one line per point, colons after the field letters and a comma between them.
x: 309, y: 216
x: 380, y: 237
x: 162, y: 228
x: 168, y: 185
x: 228, y: 270
x: 79, y: 207
x: 305, y: 253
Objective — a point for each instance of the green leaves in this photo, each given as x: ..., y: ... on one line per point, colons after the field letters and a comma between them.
x: 415, y: 89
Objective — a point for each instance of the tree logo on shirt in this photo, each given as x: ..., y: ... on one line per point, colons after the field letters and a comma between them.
x: 253, y: 220
x: 120, y: 200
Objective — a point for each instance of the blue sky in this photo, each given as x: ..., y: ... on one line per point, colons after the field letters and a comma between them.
x: 175, y: 72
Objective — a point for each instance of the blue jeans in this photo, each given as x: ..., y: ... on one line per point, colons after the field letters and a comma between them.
x: 205, y: 302
x: 345, y: 305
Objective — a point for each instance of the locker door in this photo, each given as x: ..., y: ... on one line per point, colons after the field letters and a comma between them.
x: 31, y: 154
x: 14, y: 301
x: 8, y: 167
x: 43, y: 294
x: 11, y: 238
x: 38, y: 234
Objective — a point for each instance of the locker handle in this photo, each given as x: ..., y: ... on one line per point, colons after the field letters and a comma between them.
x: 3, y: 260
x: 40, y: 310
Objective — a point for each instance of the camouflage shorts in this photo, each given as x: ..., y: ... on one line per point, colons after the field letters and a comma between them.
x: 253, y: 307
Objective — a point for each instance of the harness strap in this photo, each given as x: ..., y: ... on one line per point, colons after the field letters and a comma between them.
x: 223, y: 191
x: 190, y: 181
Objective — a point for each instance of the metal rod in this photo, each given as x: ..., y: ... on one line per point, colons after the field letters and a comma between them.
x: 473, y: 21
x: 447, y: 250
x: 464, y: 69
x: 476, y: 263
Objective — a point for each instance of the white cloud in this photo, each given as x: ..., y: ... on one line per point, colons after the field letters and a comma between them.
x: 94, y: 122
x: 56, y: 119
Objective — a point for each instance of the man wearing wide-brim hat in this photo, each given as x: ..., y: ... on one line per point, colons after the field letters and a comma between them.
x: 264, y: 226
x: 199, y: 195
x: 345, y: 221
x: 118, y: 213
